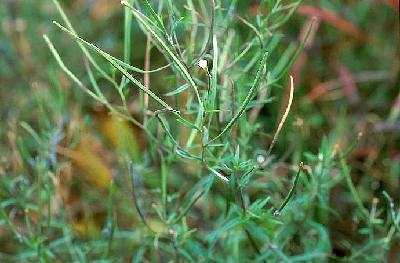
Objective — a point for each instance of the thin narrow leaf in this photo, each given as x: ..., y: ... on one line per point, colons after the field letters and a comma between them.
x: 249, y: 96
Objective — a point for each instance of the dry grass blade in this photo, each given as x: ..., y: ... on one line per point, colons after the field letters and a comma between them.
x: 333, y: 19
x: 278, y: 130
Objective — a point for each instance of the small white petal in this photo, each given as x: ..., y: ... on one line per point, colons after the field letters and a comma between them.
x: 202, y: 63
x: 260, y: 158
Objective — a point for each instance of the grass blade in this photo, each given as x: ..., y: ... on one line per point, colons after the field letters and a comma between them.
x: 84, y: 50
x: 111, y: 60
x: 249, y: 96
x: 68, y: 72
x: 181, y: 68
x: 357, y: 199
x: 291, y: 192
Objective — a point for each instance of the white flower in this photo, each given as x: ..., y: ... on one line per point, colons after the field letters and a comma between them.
x: 202, y: 64
x: 260, y: 159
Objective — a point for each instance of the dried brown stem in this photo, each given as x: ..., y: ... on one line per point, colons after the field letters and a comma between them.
x: 278, y: 130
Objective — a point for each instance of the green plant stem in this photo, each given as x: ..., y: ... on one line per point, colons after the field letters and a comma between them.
x: 353, y: 190
x: 291, y: 192
x: 249, y: 96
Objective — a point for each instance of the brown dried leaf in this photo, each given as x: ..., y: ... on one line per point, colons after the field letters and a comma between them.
x: 333, y: 19
x: 90, y: 159
x: 103, y: 8
x: 348, y: 84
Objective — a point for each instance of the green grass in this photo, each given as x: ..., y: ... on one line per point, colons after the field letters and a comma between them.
x: 119, y: 147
